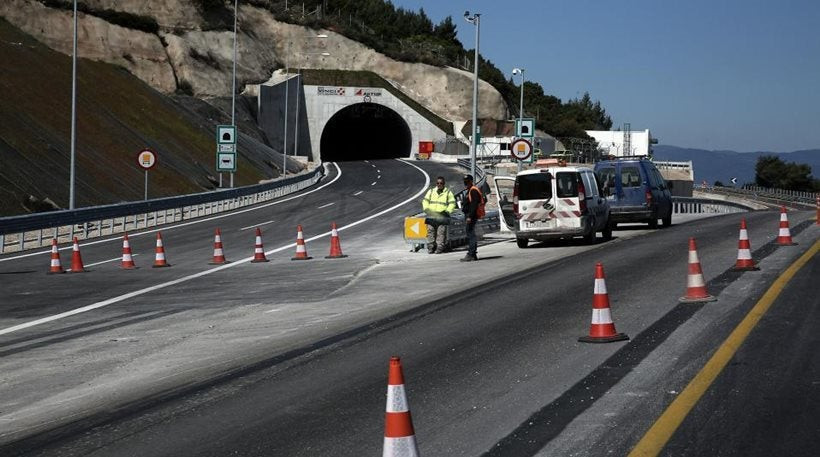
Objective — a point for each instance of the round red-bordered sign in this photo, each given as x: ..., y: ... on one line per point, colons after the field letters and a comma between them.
x: 521, y: 149
x: 147, y: 159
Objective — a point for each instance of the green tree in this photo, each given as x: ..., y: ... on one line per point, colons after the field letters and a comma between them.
x: 771, y: 171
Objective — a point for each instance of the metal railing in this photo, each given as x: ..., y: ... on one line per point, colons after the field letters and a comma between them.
x: 770, y: 196
x: 31, y: 231
x: 690, y: 205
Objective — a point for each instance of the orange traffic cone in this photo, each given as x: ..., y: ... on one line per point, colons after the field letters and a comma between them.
x: 602, y: 329
x: 219, y: 254
x: 258, y: 250
x: 784, y: 236
x: 695, y: 285
x: 335, y: 244
x: 301, y: 250
x: 127, y: 259
x: 76, y: 258
x: 399, y: 437
x: 56, y: 266
x: 159, y: 260
x: 744, y: 251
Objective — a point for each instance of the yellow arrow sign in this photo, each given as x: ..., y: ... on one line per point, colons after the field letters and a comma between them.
x: 415, y: 228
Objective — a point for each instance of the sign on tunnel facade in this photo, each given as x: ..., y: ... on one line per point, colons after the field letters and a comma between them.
x: 317, y: 107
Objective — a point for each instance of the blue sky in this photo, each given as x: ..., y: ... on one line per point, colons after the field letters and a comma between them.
x: 722, y: 74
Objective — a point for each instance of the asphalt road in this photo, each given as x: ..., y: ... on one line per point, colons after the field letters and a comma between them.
x: 496, y: 369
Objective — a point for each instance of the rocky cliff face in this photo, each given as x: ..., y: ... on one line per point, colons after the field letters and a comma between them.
x: 183, y: 55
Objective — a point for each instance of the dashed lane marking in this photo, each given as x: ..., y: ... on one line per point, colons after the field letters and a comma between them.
x: 256, y: 225
x: 358, y: 193
x: 329, y: 204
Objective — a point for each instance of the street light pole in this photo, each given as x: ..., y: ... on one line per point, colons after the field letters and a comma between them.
x: 475, y: 19
x: 520, y: 103
x: 73, y: 113
x: 287, y: 85
x: 233, y: 91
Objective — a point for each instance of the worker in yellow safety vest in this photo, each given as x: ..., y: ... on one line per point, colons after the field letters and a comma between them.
x: 438, y: 203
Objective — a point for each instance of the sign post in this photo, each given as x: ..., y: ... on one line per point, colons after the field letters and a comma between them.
x: 225, y: 150
x: 146, y: 159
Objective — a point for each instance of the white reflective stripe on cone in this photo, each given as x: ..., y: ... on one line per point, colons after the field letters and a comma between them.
x: 217, y: 251
x: 600, y: 286
x: 396, y: 399
x: 55, y: 263
x: 744, y: 254
x: 784, y: 232
x: 400, y: 447
x: 601, y: 316
x: 160, y: 256
x: 693, y: 257
x: 695, y: 281
x: 744, y: 235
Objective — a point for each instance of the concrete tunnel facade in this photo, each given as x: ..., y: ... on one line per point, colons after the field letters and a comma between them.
x: 342, y: 123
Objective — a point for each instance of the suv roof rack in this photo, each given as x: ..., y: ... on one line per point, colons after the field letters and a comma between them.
x: 612, y: 157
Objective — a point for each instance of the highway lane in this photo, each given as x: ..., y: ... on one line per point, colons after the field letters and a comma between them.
x: 479, y: 366
x: 29, y: 293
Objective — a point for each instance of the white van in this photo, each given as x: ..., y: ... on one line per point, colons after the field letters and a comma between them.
x: 553, y: 202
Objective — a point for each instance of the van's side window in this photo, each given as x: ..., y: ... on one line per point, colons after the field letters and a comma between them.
x: 589, y: 184
x: 630, y: 177
x: 566, y: 184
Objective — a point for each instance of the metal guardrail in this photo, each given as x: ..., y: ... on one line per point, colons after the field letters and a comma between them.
x: 691, y: 205
x: 771, y: 196
x: 18, y: 233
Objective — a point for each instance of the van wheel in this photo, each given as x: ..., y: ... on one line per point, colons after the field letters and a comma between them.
x: 522, y: 242
x: 667, y: 221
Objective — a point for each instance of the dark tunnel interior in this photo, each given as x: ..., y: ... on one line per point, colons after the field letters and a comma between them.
x: 365, y: 131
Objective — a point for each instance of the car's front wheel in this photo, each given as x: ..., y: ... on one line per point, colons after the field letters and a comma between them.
x: 522, y: 242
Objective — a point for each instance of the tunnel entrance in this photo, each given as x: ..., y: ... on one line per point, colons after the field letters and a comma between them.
x: 365, y: 131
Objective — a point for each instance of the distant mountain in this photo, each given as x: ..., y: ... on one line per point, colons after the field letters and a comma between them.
x: 711, y: 166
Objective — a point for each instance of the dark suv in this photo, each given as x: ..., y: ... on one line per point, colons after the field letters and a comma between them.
x: 636, y: 191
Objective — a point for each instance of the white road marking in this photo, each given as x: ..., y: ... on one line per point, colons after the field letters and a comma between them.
x: 378, y: 171
x: 183, y: 279
x: 105, y: 261
x: 358, y: 193
x: 257, y: 225
x: 373, y: 183
x: 197, y: 221
x: 329, y: 204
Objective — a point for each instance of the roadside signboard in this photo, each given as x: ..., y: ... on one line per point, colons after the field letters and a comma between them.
x: 415, y: 230
x: 147, y: 159
x: 225, y: 161
x: 525, y: 127
x: 225, y: 149
x: 521, y: 149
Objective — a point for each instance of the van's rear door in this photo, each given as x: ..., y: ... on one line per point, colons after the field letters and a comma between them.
x: 567, y: 204
x: 504, y: 186
x: 535, y: 201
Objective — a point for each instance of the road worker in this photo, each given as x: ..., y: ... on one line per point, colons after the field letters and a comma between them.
x: 438, y: 203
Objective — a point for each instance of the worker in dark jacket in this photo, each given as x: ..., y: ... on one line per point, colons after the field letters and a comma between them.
x: 470, y: 204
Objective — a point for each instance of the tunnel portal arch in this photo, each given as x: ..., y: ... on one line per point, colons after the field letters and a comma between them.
x: 365, y: 131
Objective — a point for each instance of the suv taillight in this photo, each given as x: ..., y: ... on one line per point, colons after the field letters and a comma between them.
x: 582, y: 195
x: 515, y: 201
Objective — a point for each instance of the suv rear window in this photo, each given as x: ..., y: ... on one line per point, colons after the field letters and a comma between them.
x: 534, y: 186
x: 607, y: 176
x: 566, y: 184
x: 630, y: 177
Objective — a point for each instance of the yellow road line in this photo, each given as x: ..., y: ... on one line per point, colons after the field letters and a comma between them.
x: 662, y: 430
